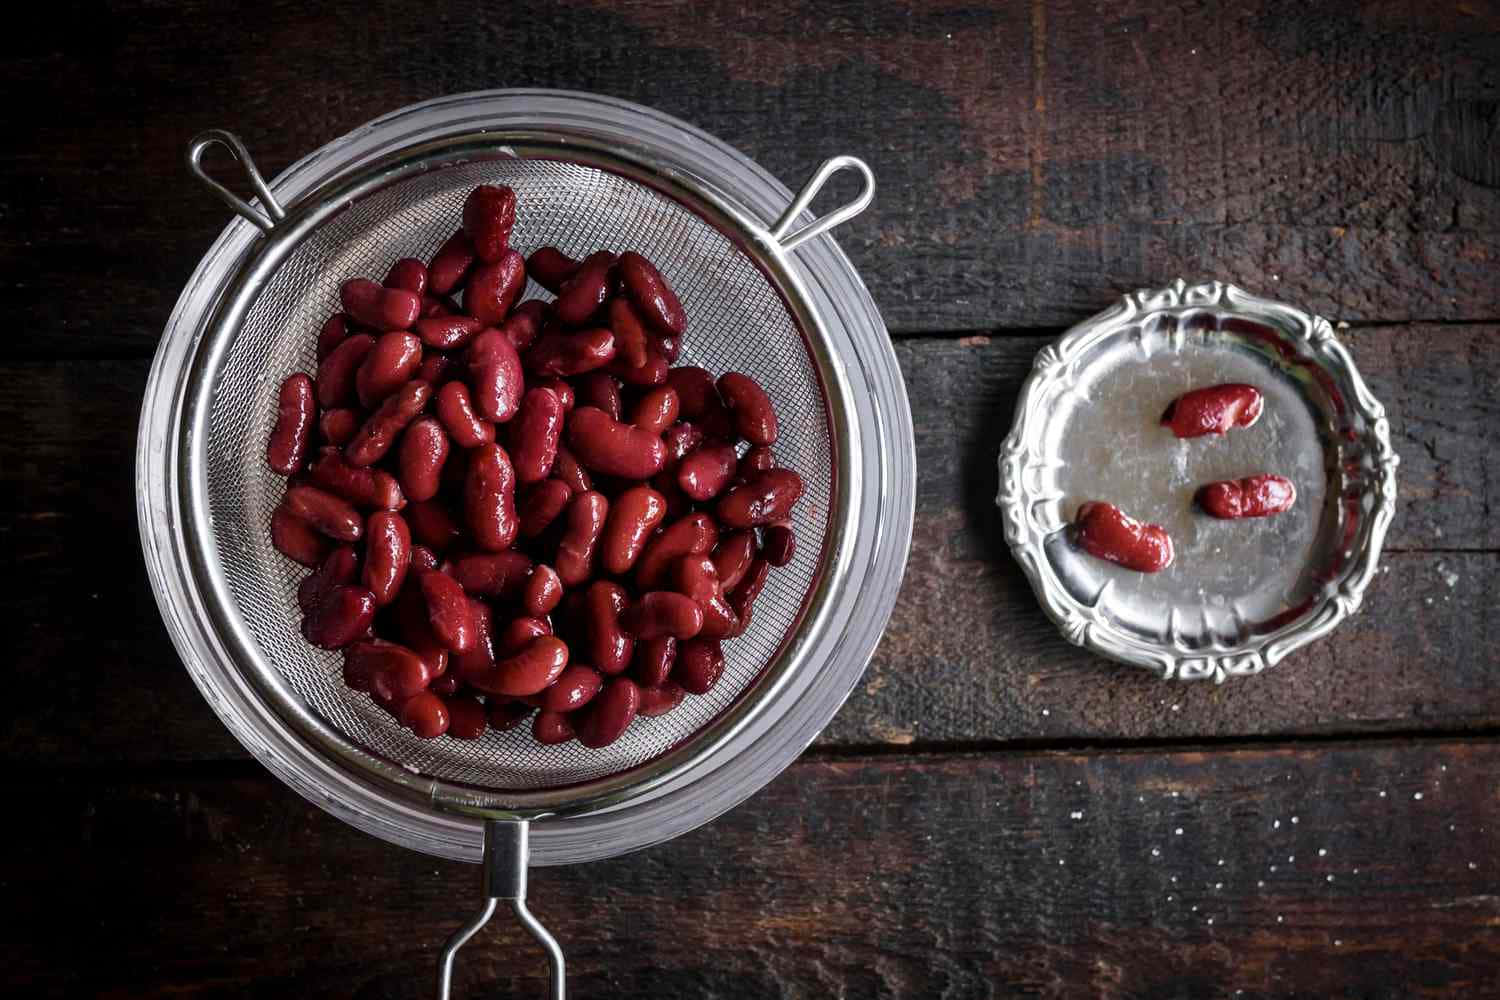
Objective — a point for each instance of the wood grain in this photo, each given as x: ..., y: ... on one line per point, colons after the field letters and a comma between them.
x: 1358, y: 871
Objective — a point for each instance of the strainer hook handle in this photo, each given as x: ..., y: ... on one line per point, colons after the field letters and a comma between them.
x: 240, y: 207
x: 507, y: 851
x: 810, y: 190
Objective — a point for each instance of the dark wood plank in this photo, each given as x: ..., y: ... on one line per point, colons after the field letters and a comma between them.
x: 1034, y: 160
x: 969, y: 658
x: 1363, y: 871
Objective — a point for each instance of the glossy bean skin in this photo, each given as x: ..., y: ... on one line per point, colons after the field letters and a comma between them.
x: 432, y: 525
x: 375, y: 438
x: 577, y: 548
x: 489, y: 215
x: 609, y: 646
x: 779, y: 544
x: 508, y: 715
x: 757, y: 459
x: 340, y: 618
x: 408, y: 274
x: 568, y: 353
x: 656, y: 410
x: 391, y: 363
x: 296, y: 539
x: 579, y: 297
x: 534, y: 435
x: 466, y: 717
x: 296, y: 414
x: 437, y: 305
x: 409, y: 616
x: 733, y: 556
x: 423, y: 558
x: 695, y: 578
x: 574, y: 688
x: 653, y: 372
x: 387, y: 555
x: 552, y: 728
x: 663, y: 612
x: 494, y: 287
x: 450, y: 265
x: 447, y: 333
x: 378, y: 307
x: 426, y: 715
x: 336, y: 373
x: 568, y: 470
x: 438, y: 368
x: 424, y: 449
x: 653, y: 660
x: 601, y: 391
x: 1213, y: 410
x: 1253, y: 496
x: 385, y: 667
x: 682, y: 439
x: 480, y: 658
x: 448, y: 610
x: 496, y: 377
x: 767, y: 498
x: 562, y: 389
x: 705, y: 473
x: 658, y: 303
x: 524, y: 324
x: 491, y: 574
x: 694, y: 534
x: 607, y: 446
x: 363, y: 487
x: 1104, y: 531
x: 754, y: 415
x: 490, y: 498
x: 629, y: 328
x: 542, y: 593
x: 527, y: 672
x: 338, y: 426
x: 699, y: 400
x: 456, y: 412
x: 700, y: 662
x: 745, y: 593
x: 661, y: 699
x: 330, y: 515
x: 665, y: 344
x: 335, y: 330
x: 550, y: 267
x: 610, y: 713
x: 633, y: 516
x: 539, y: 505
x: 340, y: 567
x: 518, y: 633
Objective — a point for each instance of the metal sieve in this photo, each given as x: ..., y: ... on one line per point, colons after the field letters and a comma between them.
x: 588, y: 173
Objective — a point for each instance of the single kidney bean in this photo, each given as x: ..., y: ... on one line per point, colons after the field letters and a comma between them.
x: 407, y: 273
x: 432, y: 525
x: 649, y: 290
x: 491, y: 574
x: 767, y: 498
x: 681, y: 439
x: 552, y: 728
x: 663, y: 612
x: 694, y: 534
x: 466, y: 718
x: 490, y: 498
x: 699, y: 401
x: 378, y: 307
x: 448, y: 610
x: 1253, y: 496
x: 522, y: 326
x: 562, y: 389
x: 437, y: 305
x: 335, y: 329
x: 387, y: 555
x: 425, y: 715
x: 339, y: 618
x: 336, y: 373
x: 543, y: 591
x: 391, y: 669
x: 742, y: 598
x: 423, y: 558
x: 1103, y: 530
x: 779, y: 544
x: 754, y: 415
x: 534, y: 434
x: 424, y: 449
x: 560, y: 352
x: 653, y: 372
x: 363, y: 487
x: 540, y: 504
x: 757, y: 459
x: 704, y: 474
x: 633, y: 516
x: 550, y: 267
x: 569, y: 471
x: 629, y: 330
x: 496, y: 376
x: 576, y: 548
x: 337, y: 427
x: 489, y: 216
x: 528, y: 672
x: 661, y: 699
x: 494, y: 287
x: 374, y: 439
x: 668, y: 346
x: 733, y: 556
x: 333, y: 516
x: 601, y: 391
x: 456, y: 411
x: 610, y: 713
x: 296, y: 539
x: 296, y: 412
x: 1213, y: 410
x: 607, y: 446
x: 656, y: 410
x: 574, y: 688
x: 609, y: 646
x: 450, y: 264
x: 479, y: 659
x: 700, y: 662
x: 653, y: 660
x: 579, y: 297
x: 518, y: 633
x: 340, y: 567
x: 409, y: 617
x: 447, y: 333
x: 446, y: 686
x: 507, y: 715
x: 695, y: 578
x: 438, y: 368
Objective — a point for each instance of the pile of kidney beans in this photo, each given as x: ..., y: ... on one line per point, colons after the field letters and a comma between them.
x: 516, y: 508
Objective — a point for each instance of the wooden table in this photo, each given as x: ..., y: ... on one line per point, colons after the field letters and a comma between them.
x: 994, y: 812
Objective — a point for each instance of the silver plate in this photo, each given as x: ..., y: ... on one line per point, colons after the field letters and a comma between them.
x: 1240, y: 595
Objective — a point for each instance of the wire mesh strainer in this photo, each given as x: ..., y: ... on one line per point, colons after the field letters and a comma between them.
x: 588, y: 173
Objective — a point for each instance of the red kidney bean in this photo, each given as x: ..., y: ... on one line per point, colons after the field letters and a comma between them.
x: 695, y: 578
x: 579, y: 297
x: 336, y: 373
x: 697, y: 394
x: 489, y: 216
x: 559, y: 352
x: 490, y: 498
x: 656, y: 410
x: 668, y: 346
x: 390, y: 669
x: 633, y: 516
x: 601, y: 391
x: 424, y: 449
x: 528, y: 672
x: 1213, y: 410
x: 543, y: 592
x: 374, y: 439
x: 438, y: 368
x: 733, y: 556
x: 742, y: 598
x: 508, y: 715
x: 423, y: 558
x: 407, y: 273
x: 496, y: 376
x: 437, y: 305
x: 779, y: 544
x: 569, y: 471
x: 524, y: 324
x: 1253, y: 496
x: 466, y: 717
x: 518, y: 633
x: 409, y: 618
x: 694, y: 534
x: 491, y: 574
x: 479, y: 659
x: 331, y: 515
x: 446, y: 686
x: 456, y: 411
x: 653, y: 372
x: 494, y: 287
x: 550, y: 267
x: 552, y: 728
x: 378, y: 307
x: 649, y: 290
x: 653, y: 660
x: 663, y: 612
x: 335, y: 329
x: 585, y: 515
x: 767, y: 498
x: 757, y: 459
x: 534, y: 434
x: 447, y: 333
x: 561, y: 388
x: 425, y: 715
x: 610, y: 713
x: 677, y: 502
x: 387, y: 555
x: 339, y: 618
x: 609, y: 647
x: 432, y: 525
x: 629, y: 330
x: 607, y: 446
x: 704, y: 474
x: 448, y: 610
x: 340, y: 567
x: 661, y: 699
x: 1103, y: 530
x: 296, y: 411
x: 337, y: 427
x: 540, y: 504
x: 681, y: 439
x: 574, y: 688
x: 450, y: 264
x: 754, y: 415
x: 363, y: 487
x: 700, y: 662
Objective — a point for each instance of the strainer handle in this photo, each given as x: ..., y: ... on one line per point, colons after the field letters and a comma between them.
x: 242, y: 208
x: 810, y: 190
x: 507, y: 851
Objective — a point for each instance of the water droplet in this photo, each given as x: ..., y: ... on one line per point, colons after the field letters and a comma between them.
x: 1156, y: 852
x: 1322, y: 852
x: 1177, y: 832
x: 1417, y: 796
